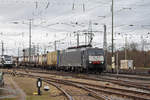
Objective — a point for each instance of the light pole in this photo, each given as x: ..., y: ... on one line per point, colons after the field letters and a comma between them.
x: 55, y: 44
x: 105, y: 45
x: 112, y: 10
x: 113, y: 59
x: 78, y: 39
x: 2, y: 48
x: 126, y: 47
x: 30, y: 22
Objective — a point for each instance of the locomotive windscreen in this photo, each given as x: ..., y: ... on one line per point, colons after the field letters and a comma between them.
x: 93, y: 52
x: 8, y: 58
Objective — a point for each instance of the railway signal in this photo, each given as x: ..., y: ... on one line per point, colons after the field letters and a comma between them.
x: 39, y: 85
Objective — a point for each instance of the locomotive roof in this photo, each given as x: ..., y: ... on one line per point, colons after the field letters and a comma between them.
x: 81, y: 46
x: 82, y: 49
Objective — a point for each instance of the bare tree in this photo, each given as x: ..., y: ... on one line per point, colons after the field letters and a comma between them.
x: 133, y: 46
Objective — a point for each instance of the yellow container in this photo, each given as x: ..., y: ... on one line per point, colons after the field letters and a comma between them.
x: 44, y: 59
x: 40, y: 59
x: 26, y: 59
x: 52, y: 58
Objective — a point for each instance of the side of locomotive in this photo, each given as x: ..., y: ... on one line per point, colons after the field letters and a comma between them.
x: 70, y: 60
x: 82, y: 59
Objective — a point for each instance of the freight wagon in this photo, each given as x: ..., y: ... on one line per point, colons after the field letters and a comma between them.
x: 53, y: 59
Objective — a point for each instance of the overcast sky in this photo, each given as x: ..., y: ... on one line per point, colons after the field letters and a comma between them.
x: 59, y: 19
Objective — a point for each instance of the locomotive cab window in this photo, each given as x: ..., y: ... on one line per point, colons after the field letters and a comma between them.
x: 95, y: 52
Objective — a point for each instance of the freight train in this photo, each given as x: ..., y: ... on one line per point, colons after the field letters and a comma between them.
x: 84, y: 59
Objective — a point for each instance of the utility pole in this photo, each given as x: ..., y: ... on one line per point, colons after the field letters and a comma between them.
x: 143, y: 43
x: 23, y: 55
x: 105, y: 45
x: 85, y: 38
x: 112, y: 10
x: 37, y: 52
x: 105, y: 39
x: 143, y: 49
x: 55, y: 45
x: 90, y: 33
x: 34, y: 49
x: 113, y: 59
x: 30, y: 22
x: 2, y: 49
x: 77, y: 39
x: 117, y: 61
x: 44, y: 49
x: 18, y: 52
x: 126, y: 47
x: 18, y: 57
x: 86, y: 34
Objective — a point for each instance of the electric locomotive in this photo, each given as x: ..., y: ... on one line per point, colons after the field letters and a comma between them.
x: 82, y: 59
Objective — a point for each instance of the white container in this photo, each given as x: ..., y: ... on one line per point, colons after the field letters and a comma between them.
x: 126, y: 64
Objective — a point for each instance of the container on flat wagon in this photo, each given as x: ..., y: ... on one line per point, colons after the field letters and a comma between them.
x: 32, y: 59
x: 44, y: 59
x: 52, y: 58
x: 126, y: 64
x: 36, y: 59
x: 26, y: 59
x: 40, y: 60
x: 20, y: 59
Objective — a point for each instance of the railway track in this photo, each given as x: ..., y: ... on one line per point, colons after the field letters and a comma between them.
x: 126, y: 83
x: 110, y: 90
x: 139, y: 77
x: 139, y: 85
x: 50, y: 81
x: 69, y: 97
x: 66, y: 94
x: 95, y: 90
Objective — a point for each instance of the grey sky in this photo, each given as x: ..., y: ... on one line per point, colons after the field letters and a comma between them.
x: 57, y: 19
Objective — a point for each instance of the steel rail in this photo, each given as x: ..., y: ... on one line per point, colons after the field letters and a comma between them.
x: 72, y: 82
x: 103, y: 89
x: 67, y: 95
x: 92, y: 93
x: 115, y: 81
x: 138, y: 77
x: 92, y: 90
